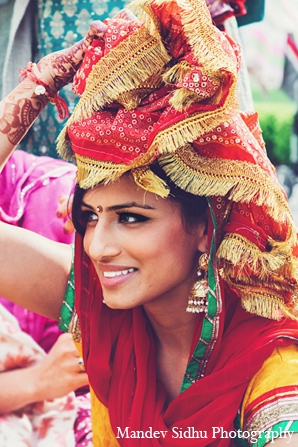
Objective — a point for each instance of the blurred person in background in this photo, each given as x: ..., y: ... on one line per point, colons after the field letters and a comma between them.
x: 31, y: 189
x: 31, y: 29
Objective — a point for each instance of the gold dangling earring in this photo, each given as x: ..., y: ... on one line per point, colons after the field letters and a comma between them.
x: 198, y: 299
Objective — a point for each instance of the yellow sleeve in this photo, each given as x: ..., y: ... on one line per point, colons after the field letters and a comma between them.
x: 102, y: 433
x: 272, y: 394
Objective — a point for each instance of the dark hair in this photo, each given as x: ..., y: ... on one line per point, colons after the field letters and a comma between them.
x: 192, y: 207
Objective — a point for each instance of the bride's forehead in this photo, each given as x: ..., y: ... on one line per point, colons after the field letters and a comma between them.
x: 124, y: 187
x: 124, y: 191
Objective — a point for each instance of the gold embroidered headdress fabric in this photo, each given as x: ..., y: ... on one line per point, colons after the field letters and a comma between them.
x: 162, y: 85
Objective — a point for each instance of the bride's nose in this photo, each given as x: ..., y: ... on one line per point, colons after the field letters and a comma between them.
x: 100, y: 242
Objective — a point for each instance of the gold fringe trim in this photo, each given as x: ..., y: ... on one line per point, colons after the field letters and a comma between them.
x: 93, y: 172
x: 143, y: 11
x: 147, y: 180
x: 209, y: 47
x: 246, y: 257
x: 191, y: 128
x: 176, y: 73
x: 195, y: 17
x: 131, y: 99
x: 266, y: 306
x: 114, y: 75
x: 123, y: 69
x: 265, y: 303
x: 63, y: 144
x: 183, y: 98
x: 240, y: 181
x: 274, y: 283
x: 261, y: 279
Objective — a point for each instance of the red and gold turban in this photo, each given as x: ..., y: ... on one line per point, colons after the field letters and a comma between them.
x: 162, y: 85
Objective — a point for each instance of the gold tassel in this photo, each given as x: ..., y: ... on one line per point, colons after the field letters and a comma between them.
x: 264, y: 307
x: 132, y: 98
x: 176, y: 73
x: 268, y: 306
x: 183, y: 98
x: 147, y: 180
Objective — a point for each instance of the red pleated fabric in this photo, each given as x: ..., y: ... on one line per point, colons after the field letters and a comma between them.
x: 119, y: 354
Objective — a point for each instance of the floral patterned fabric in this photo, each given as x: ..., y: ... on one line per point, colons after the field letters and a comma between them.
x: 43, y: 424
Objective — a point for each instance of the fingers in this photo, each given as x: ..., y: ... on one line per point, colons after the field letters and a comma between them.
x: 81, y: 380
x: 65, y: 348
x: 68, y: 227
x: 65, y: 344
x: 57, y: 69
x: 63, y: 210
x: 97, y: 30
x: 62, y: 362
x: 81, y: 364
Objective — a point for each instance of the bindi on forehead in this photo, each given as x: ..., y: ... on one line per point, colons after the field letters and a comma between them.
x: 99, y: 208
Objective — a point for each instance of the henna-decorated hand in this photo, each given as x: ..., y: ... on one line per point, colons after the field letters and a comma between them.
x: 57, y: 69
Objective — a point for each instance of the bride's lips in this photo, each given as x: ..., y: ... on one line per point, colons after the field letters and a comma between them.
x: 113, y: 276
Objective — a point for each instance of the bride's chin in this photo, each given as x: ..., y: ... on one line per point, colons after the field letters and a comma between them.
x: 112, y: 304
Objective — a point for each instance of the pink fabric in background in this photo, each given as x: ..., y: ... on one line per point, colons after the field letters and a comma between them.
x: 29, y: 191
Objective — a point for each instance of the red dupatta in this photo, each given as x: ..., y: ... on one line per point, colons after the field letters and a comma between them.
x: 119, y: 354
x: 188, y: 119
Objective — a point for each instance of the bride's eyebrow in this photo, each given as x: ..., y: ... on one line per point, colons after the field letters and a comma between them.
x: 121, y: 206
x: 86, y: 205
x: 129, y: 205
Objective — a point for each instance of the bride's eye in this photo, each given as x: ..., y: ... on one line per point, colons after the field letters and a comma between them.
x: 87, y: 217
x: 131, y: 218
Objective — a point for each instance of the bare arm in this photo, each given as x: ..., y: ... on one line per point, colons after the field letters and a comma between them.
x: 287, y: 441
x: 20, y: 108
x: 55, y: 376
x: 33, y: 270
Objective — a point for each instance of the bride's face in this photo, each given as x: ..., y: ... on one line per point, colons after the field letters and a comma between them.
x: 138, y: 244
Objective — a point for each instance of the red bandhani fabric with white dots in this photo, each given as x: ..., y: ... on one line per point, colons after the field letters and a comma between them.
x: 161, y: 87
